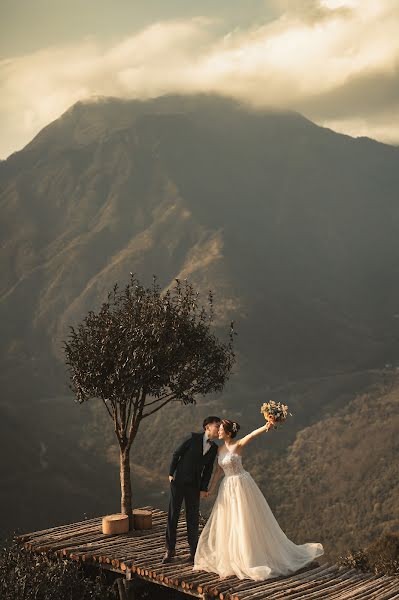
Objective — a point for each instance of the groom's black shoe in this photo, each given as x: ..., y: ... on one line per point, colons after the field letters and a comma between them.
x: 169, y: 555
x: 190, y: 560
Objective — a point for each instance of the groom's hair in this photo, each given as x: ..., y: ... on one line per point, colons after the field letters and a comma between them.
x: 210, y: 420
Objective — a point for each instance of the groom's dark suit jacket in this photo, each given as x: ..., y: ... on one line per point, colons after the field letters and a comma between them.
x: 190, y: 466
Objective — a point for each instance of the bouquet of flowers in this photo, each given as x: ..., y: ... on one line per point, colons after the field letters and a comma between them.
x: 275, y: 411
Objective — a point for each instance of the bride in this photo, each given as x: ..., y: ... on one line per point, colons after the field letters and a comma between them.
x: 242, y: 536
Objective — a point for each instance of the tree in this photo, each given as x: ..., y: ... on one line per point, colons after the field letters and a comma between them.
x: 142, y: 350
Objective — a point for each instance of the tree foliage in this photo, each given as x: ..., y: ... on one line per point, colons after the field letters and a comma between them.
x: 143, y: 349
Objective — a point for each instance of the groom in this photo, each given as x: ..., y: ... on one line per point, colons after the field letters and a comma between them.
x: 189, y: 475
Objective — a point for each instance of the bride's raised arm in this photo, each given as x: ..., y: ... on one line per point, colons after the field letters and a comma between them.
x: 251, y: 436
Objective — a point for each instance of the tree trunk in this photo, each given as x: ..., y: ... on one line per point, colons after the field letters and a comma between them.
x: 126, y: 486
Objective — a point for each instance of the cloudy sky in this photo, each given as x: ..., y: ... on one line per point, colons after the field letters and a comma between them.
x: 335, y: 61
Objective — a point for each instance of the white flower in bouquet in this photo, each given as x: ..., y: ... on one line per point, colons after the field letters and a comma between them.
x: 275, y: 411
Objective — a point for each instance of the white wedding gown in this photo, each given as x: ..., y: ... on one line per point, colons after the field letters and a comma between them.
x: 242, y: 536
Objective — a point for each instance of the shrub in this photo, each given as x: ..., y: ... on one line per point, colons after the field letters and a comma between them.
x: 354, y: 559
x: 383, y: 554
x: 25, y: 575
x: 381, y: 557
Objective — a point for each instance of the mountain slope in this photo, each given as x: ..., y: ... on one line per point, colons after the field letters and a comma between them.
x: 338, y: 481
x: 293, y: 226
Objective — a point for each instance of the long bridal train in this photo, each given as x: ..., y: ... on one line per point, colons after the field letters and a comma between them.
x: 242, y: 536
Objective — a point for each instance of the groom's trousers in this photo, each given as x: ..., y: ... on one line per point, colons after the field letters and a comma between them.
x: 191, y: 496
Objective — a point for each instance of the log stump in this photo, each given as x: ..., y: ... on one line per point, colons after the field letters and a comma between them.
x: 115, y: 524
x: 121, y: 585
x: 142, y: 519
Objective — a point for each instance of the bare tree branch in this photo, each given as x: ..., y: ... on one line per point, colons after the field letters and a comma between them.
x: 122, y: 408
x: 158, y: 400
x: 157, y: 408
x: 116, y: 429
x: 106, y: 406
x: 131, y: 401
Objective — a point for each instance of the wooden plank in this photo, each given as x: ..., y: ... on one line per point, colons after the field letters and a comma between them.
x: 349, y: 590
x: 340, y: 590
x: 382, y: 590
x: 281, y: 589
x: 330, y: 587
x: 59, y: 528
x: 247, y: 589
x: 70, y: 527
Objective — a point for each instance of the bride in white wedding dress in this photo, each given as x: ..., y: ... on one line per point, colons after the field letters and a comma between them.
x: 242, y: 536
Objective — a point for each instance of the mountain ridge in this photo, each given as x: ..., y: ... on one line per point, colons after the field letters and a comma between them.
x: 108, y: 120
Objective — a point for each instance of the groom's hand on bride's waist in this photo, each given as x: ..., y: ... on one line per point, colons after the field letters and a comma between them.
x: 204, y: 494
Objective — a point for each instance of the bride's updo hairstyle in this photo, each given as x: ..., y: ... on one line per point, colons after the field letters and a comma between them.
x: 230, y: 427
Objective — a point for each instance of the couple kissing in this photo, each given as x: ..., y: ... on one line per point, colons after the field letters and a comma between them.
x: 241, y: 536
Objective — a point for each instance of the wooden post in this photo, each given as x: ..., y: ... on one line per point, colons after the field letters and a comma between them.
x: 130, y: 589
x: 121, y: 588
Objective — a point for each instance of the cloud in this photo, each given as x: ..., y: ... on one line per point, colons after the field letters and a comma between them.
x: 336, y: 61
x: 382, y: 127
x: 37, y: 88
x: 367, y: 95
x: 314, y: 10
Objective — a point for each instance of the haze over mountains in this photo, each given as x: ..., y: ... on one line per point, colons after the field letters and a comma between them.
x: 293, y: 227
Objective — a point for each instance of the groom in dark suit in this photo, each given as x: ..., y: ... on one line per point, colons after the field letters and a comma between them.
x: 189, y: 475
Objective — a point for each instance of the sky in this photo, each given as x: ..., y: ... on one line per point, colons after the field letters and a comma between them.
x: 334, y: 61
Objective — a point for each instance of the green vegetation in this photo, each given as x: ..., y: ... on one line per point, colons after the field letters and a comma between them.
x: 28, y: 576
x: 25, y: 575
x: 380, y: 557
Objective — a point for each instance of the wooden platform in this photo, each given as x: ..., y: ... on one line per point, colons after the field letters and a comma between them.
x: 138, y: 554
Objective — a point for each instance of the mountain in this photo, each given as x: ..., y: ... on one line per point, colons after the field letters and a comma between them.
x: 294, y: 228
x: 292, y: 225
